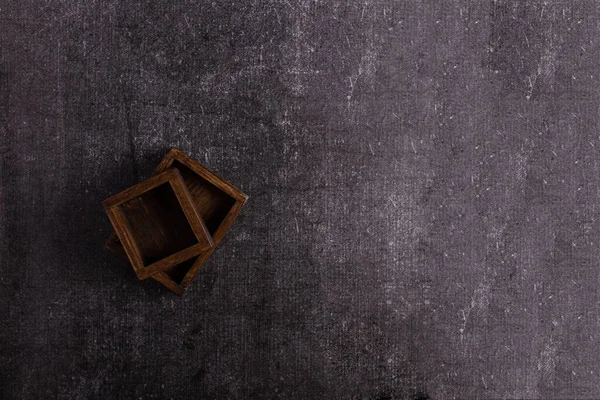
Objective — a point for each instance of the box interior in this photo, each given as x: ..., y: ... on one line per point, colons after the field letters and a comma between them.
x: 158, y: 224
x: 212, y: 203
x: 179, y: 271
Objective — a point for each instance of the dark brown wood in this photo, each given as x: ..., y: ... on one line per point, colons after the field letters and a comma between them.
x: 157, y: 223
x: 218, y: 203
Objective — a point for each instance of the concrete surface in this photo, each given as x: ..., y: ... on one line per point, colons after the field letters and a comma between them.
x: 423, y: 218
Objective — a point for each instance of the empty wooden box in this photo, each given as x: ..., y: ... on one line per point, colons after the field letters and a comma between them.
x: 157, y: 223
x: 217, y: 203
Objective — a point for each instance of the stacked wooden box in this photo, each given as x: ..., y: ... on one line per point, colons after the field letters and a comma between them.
x: 169, y: 225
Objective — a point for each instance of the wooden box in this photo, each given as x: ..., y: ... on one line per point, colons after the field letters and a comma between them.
x: 157, y: 223
x: 217, y: 202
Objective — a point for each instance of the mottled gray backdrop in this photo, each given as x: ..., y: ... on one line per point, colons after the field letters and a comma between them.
x: 424, y: 181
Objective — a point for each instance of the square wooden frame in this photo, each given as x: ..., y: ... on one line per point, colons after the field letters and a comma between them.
x: 123, y: 230
x: 176, y: 155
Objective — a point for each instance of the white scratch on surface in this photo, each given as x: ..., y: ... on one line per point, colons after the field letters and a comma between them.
x: 351, y: 87
x: 547, y: 361
x: 189, y: 25
x: 347, y: 40
x: 393, y: 202
x: 479, y: 303
x: 531, y: 85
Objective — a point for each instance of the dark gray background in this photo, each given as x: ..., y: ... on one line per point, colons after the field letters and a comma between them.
x: 424, y: 185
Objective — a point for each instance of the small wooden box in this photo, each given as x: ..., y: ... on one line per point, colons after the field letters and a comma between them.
x: 157, y: 223
x: 218, y: 203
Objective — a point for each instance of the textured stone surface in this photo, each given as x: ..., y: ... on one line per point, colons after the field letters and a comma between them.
x: 423, y: 218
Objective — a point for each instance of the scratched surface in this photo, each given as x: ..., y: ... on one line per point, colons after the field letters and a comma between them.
x: 423, y: 218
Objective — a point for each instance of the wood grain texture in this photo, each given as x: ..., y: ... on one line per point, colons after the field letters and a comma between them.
x: 216, y: 201
x: 158, y: 224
